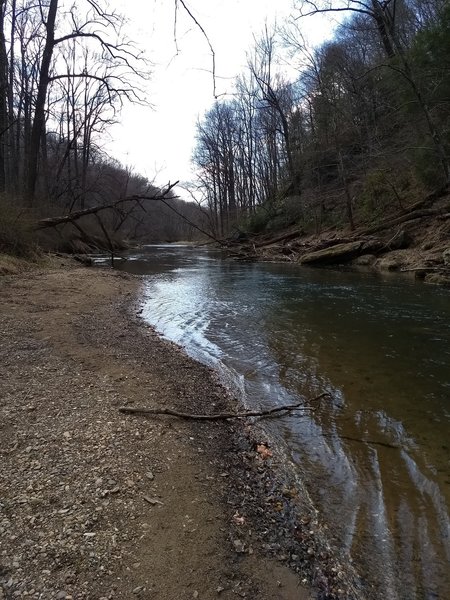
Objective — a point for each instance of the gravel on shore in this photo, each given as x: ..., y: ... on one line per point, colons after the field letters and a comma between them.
x: 95, y: 504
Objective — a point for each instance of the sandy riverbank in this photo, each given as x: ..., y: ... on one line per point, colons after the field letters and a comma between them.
x: 96, y: 504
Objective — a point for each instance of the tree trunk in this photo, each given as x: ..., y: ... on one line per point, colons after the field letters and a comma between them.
x: 14, y: 123
x: 348, y: 197
x: 3, y: 99
x: 39, y: 113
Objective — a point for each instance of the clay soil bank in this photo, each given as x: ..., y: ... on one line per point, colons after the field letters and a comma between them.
x: 97, y: 504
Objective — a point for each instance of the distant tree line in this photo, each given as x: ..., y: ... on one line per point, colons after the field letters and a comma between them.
x: 362, y: 128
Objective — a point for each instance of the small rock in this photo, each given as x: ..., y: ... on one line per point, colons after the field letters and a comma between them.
x: 365, y: 260
x: 195, y: 594
x: 438, y: 278
x: 389, y: 263
x: 138, y: 589
x: 61, y: 595
x: 153, y: 501
x: 150, y: 476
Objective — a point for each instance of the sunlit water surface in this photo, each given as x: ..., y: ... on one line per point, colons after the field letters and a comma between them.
x: 375, y: 457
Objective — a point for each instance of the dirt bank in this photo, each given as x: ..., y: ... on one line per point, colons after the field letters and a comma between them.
x: 96, y: 504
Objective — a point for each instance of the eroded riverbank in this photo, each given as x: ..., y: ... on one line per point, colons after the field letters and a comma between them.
x: 95, y: 504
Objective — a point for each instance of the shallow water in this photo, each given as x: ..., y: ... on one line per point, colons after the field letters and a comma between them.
x: 375, y: 457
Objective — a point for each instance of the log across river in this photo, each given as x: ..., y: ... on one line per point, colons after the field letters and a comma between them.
x: 375, y: 456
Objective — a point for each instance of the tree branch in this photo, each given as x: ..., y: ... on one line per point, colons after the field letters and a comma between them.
x: 213, y: 54
x: 222, y: 416
x: 74, y: 216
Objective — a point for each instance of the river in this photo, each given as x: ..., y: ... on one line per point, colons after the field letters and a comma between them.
x: 375, y: 456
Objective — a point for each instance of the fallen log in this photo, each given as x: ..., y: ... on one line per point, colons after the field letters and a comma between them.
x: 94, y: 210
x: 221, y: 416
x: 286, y: 237
x: 333, y: 254
x: 410, y: 216
x: 119, y: 206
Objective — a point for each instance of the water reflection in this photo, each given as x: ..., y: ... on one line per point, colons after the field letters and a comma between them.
x: 375, y: 457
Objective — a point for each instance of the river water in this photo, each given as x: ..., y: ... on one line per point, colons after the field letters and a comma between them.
x: 375, y: 457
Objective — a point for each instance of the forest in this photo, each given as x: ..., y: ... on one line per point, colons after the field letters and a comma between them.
x: 335, y: 135
x: 360, y: 129
x: 65, y: 72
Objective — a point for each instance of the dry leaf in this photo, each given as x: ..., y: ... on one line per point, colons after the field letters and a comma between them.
x: 238, y: 519
x: 263, y: 451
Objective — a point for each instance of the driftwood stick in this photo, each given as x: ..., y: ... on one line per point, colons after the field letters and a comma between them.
x: 220, y: 416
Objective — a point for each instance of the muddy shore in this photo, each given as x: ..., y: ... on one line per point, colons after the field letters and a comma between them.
x: 95, y: 504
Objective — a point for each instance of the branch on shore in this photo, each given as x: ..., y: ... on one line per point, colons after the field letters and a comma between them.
x: 278, y: 411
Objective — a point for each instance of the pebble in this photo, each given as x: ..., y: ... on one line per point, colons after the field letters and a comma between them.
x: 152, y: 501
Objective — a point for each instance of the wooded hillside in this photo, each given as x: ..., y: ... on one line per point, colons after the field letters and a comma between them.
x: 362, y: 129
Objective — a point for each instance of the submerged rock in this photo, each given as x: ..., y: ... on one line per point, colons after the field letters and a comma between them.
x: 389, y: 263
x: 366, y: 260
x: 446, y: 257
x: 438, y: 279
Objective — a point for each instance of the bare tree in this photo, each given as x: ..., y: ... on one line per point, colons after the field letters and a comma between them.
x: 120, y: 54
x: 384, y: 14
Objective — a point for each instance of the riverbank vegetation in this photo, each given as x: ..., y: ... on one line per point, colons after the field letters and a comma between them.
x: 359, y: 134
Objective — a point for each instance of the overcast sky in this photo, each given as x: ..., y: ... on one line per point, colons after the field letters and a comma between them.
x: 159, y: 142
